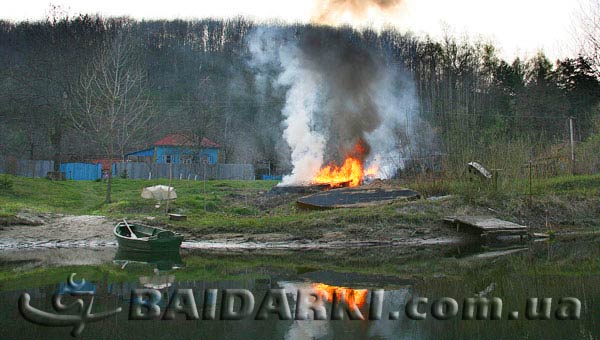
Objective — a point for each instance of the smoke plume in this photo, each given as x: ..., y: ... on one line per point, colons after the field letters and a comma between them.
x: 336, y: 12
x: 339, y: 92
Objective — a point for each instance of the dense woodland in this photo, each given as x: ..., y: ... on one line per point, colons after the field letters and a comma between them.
x: 196, y: 76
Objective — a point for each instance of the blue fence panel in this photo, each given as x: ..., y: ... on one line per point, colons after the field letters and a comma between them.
x: 82, y: 171
x: 272, y: 177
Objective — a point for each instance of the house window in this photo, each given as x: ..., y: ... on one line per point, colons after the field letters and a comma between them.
x: 186, y: 159
x: 168, y: 158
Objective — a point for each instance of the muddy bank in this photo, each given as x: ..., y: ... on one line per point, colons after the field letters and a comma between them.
x: 243, y: 244
x: 59, y: 231
x: 63, y: 231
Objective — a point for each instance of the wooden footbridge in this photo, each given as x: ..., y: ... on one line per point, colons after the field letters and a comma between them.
x: 487, y: 226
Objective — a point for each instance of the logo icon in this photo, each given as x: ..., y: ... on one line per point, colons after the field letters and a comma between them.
x: 83, y: 309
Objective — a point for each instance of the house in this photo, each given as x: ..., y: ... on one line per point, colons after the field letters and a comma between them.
x: 178, y: 148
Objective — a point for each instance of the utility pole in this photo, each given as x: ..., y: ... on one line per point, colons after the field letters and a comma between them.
x: 572, y: 144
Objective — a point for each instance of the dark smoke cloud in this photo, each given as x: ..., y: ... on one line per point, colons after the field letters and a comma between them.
x: 329, y: 12
x: 348, y: 71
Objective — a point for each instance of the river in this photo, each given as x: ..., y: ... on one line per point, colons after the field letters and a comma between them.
x: 513, y: 272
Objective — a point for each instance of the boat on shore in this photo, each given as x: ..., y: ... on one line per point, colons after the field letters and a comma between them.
x: 139, y: 237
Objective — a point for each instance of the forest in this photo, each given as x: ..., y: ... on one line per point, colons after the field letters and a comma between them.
x: 157, y: 77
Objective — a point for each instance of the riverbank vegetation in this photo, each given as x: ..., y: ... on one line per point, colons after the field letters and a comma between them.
x: 560, y: 204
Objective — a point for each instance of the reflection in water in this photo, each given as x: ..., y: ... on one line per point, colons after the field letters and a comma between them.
x: 523, y: 275
x: 161, y: 260
x: 353, y: 297
x: 157, y: 281
x: 394, y: 299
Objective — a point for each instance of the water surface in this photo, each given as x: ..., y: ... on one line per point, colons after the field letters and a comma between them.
x: 548, y: 269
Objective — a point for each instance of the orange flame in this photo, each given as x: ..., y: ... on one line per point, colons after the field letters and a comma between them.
x: 354, y: 297
x: 350, y: 173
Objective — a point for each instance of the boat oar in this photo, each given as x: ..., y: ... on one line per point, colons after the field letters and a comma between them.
x: 129, y: 228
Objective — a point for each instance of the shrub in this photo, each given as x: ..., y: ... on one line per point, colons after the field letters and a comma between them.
x: 244, y: 211
x: 6, y: 183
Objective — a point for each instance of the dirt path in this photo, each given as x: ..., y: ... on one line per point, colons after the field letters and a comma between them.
x: 59, y: 231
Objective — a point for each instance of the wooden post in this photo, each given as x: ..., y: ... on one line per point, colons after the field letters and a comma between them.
x: 204, y: 180
x: 495, y: 174
x: 530, y: 182
x: 169, y: 189
x: 572, y: 145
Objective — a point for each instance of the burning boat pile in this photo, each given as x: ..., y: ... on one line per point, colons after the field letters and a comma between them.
x: 342, y: 186
x: 336, y: 186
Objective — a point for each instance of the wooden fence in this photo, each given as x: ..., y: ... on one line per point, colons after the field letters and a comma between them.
x: 25, y: 167
x: 139, y: 170
x: 133, y: 170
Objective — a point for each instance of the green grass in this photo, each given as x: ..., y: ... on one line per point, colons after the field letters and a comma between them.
x: 87, y: 197
x: 235, y: 206
x: 585, y: 185
x: 230, y: 205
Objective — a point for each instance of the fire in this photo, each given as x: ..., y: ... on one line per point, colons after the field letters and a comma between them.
x: 350, y: 173
x: 354, y: 297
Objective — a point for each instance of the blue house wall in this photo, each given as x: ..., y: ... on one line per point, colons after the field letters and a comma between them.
x: 211, y: 154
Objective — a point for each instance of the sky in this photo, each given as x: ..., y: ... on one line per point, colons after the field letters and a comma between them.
x: 518, y: 27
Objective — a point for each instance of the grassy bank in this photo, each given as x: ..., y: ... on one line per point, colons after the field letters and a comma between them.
x: 563, y: 203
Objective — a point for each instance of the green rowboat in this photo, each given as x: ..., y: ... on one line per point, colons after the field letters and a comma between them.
x: 139, y: 237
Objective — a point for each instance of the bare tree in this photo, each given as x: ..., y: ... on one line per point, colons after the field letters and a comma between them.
x: 110, y: 104
x: 587, y: 30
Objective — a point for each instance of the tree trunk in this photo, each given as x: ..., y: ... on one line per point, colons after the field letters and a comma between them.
x: 109, y: 179
x: 108, y: 185
x: 55, y: 140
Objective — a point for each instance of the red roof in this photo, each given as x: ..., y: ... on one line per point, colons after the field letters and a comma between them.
x: 181, y: 139
x: 177, y: 139
x: 207, y: 143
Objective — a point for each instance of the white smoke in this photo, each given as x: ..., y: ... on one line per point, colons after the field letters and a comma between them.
x: 307, y: 145
x: 395, y: 97
x: 302, y: 100
x: 305, y: 118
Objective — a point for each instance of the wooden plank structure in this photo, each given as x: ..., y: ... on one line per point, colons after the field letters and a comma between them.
x: 355, y: 198
x: 177, y: 217
x: 488, y: 226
